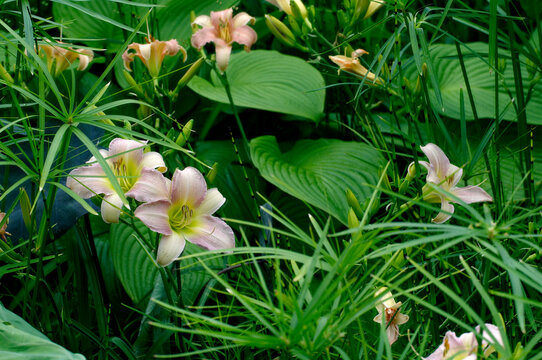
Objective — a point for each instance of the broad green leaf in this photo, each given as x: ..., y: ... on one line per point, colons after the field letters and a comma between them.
x: 319, y: 171
x: 268, y: 80
x: 136, y: 271
x: 19, y: 340
x: 482, y: 82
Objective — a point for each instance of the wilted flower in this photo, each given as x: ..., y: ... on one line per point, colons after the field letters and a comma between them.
x: 465, y: 347
x: 136, y: 172
x: 389, y: 312
x: 186, y: 215
x: 446, y: 176
x: 224, y: 30
x: 352, y: 65
x: 152, y: 53
x: 59, y: 58
x: 3, y: 231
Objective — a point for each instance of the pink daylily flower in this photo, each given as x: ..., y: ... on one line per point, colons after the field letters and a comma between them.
x: 446, y: 176
x: 389, y: 313
x: 185, y: 214
x: 136, y: 172
x: 465, y: 347
x: 152, y: 54
x: 59, y: 59
x: 223, y: 30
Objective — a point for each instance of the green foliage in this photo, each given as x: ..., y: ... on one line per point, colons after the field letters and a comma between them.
x: 268, y: 80
x: 319, y: 171
x: 482, y: 81
x: 19, y: 340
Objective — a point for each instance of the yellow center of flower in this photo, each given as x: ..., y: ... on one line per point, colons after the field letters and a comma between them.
x: 224, y: 31
x: 180, y: 216
x: 126, y: 175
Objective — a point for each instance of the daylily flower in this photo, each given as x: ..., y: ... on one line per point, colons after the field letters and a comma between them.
x: 136, y: 173
x: 352, y: 65
x: 152, y: 54
x: 224, y: 30
x: 3, y: 231
x: 446, y: 176
x: 465, y: 347
x: 285, y: 6
x: 59, y: 59
x: 389, y: 312
x: 185, y: 214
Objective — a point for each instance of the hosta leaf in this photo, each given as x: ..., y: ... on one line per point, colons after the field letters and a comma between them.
x: 134, y: 268
x: 19, y: 340
x: 319, y: 171
x: 482, y: 82
x: 268, y: 80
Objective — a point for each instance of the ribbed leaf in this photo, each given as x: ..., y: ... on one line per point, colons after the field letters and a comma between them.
x: 134, y: 268
x: 19, y: 340
x: 268, y: 80
x: 482, y: 82
x: 319, y: 171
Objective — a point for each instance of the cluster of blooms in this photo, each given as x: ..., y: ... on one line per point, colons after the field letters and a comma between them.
x: 464, y: 347
x: 442, y: 179
x: 180, y: 209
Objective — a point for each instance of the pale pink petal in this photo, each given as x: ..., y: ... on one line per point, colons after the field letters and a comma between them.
x: 151, y: 186
x: 210, y: 233
x: 103, y: 152
x: 221, y: 18
x: 437, y: 159
x: 392, y: 332
x: 130, y: 150
x: 203, y: 21
x: 188, y: 187
x: 244, y: 36
x: 88, y: 181
x: 111, y: 205
x: 437, y: 355
x: 204, y: 36
x: 127, y: 58
x: 454, y: 175
x: 172, y: 47
x: 212, y: 202
x: 153, y: 160
x: 242, y: 19
x: 170, y: 247
x: 155, y: 216
x: 471, y: 194
x: 400, y: 319
x: 378, y: 318
x: 223, y: 52
x: 446, y: 209
x: 85, y: 57
x: 488, y: 339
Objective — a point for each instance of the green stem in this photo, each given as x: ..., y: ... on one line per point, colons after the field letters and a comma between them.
x: 223, y: 77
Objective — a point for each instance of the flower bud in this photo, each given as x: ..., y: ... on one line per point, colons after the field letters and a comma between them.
x: 360, y: 8
x: 299, y: 11
x: 281, y: 31
x: 5, y: 75
x: 353, y: 202
x: 185, y: 134
x: 211, y: 175
x: 188, y: 75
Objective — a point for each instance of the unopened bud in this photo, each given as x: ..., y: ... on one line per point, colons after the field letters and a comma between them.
x: 280, y: 30
x: 295, y: 26
x: 134, y: 85
x: 24, y: 200
x: 411, y: 171
x: 185, y: 134
x: 418, y: 88
x: 188, y: 75
x: 353, y: 202
x: 360, y: 9
x: 424, y: 70
x: 5, y: 75
x: 373, y: 7
x: 211, y: 175
x: 353, y: 221
x: 299, y: 11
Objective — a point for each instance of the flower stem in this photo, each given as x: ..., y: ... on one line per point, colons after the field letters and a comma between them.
x: 226, y: 84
